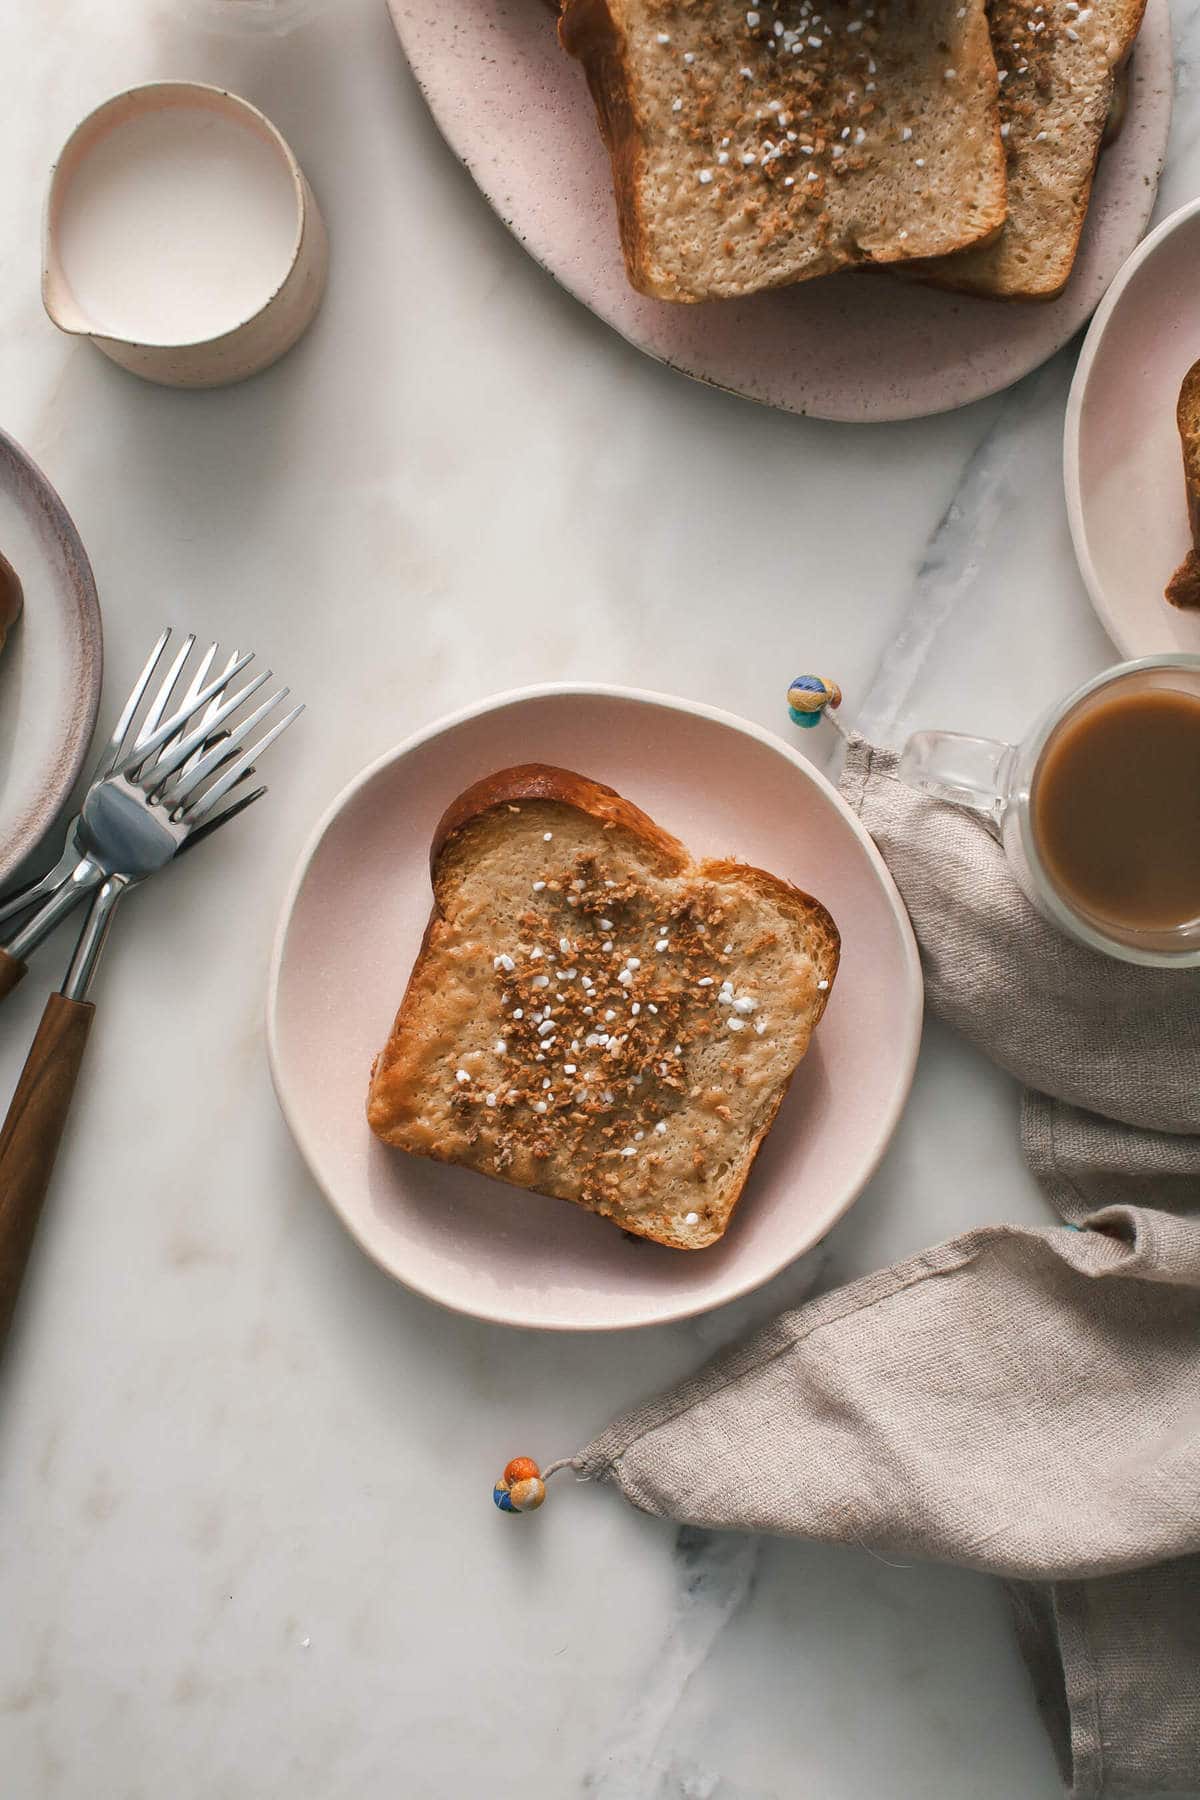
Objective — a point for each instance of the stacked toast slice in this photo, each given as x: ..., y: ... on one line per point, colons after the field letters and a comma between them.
x: 755, y: 145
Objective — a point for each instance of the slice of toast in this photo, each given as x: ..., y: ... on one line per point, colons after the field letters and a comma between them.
x: 596, y: 1016
x: 1059, y: 64
x: 757, y: 145
x: 1183, y: 589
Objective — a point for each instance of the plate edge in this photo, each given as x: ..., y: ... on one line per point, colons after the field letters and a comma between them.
x: 645, y: 696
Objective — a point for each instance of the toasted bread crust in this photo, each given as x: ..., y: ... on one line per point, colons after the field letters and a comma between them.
x: 804, y: 909
x: 588, y: 30
x: 399, y: 1093
x: 1183, y: 589
x: 1017, y: 265
x: 541, y: 781
x: 10, y: 599
x: 1187, y: 418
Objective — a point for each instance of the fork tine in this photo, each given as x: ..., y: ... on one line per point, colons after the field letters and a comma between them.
x: 180, y: 751
x: 112, y: 750
x: 159, y: 704
x: 222, y: 818
x: 193, y: 775
x: 200, y: 809
x: 206, y: 717
x: 211, y: 708
x: 178, y: 720
x: 193, y: 688
x: 226, y: 757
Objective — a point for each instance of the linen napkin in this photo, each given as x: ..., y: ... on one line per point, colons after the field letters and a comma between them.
x: 1025, y: 1402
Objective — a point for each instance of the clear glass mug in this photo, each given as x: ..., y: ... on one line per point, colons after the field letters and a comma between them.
x: 996, y: 782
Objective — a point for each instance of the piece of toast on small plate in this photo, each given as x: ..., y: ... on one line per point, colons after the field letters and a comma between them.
x: 1183, y: 589
x: 595, y: 1015
x: 757, y: 145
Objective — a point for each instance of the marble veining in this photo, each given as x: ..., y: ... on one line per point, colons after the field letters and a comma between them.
x: 714, y: 1574
x: 988, y: 497
x: 247, y: 1548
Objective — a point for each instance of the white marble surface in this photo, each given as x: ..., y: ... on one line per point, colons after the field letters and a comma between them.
x: 246, y: 1545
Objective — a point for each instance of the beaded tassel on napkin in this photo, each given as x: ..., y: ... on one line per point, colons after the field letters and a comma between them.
x: 522, y: 1487
x: 808, y: 697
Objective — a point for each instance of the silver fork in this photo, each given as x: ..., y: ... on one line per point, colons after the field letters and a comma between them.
x: 26, y: 897
x: 162, y: 789
x: 88, y: 858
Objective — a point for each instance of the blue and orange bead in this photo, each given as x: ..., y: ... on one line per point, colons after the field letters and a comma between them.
x: 520, y: 1488
x: 808, y: 696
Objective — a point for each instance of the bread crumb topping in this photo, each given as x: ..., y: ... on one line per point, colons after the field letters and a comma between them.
x: 600, y: 1009
x: 802, y: 92
x: 1020, y: 30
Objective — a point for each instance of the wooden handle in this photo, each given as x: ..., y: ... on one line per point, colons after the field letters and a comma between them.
x: 11, y: 972
x: 31, y: 1135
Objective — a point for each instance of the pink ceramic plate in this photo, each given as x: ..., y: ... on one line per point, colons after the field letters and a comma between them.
x: 1121, y: 454
x: 51, y: 666
x: 515, y: 109
x: 351, y: 929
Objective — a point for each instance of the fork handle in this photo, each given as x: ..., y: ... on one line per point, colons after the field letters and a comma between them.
x: 31, y: 1134
x: 11, y: 971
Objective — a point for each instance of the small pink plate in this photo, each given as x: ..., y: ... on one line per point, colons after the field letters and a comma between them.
x: 51, y: 666
x: 352, y: 926
x: 515, y: 110
x: 1122, y: 462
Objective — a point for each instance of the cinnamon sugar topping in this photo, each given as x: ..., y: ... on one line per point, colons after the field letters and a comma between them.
x: 801, y: 92
x: 613, y: 1044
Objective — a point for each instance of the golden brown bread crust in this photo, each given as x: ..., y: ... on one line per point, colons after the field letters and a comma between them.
x: 397, y: 1107
x: 987, y: 271
x: 1183, y: 589
x: 1187, y: 417
x: 10, y: 599
x: 803, y: 907
x: 540, y: 781
x: 588, y: 30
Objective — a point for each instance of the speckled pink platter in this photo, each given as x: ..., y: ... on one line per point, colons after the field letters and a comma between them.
x: 351, y: 929
x: 516, y: 111
x: 1121, y: 456
x: 50, y: 668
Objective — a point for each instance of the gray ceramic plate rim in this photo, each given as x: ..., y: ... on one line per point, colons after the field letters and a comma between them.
x: 887, y: 1123
x: 68, y: 763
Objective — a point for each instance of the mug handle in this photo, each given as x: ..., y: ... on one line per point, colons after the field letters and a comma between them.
x: 971, y: 772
